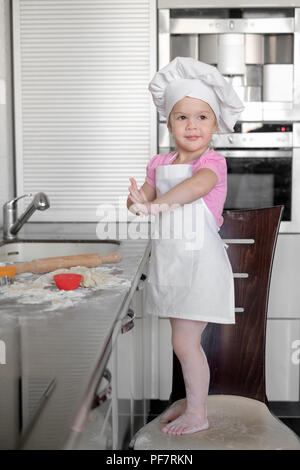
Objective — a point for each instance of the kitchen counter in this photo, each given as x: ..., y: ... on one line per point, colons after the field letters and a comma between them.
x: 54, y: 359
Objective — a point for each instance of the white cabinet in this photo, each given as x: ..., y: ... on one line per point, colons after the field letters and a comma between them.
x: 284, y: 299
x: 126, y: 363
x: 283, y: 325
x: 282, y: 359
x: 122, y: 378
x: 98, y: 429
x: 110, y: 422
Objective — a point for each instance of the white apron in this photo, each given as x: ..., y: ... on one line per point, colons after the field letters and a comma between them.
x: 189, y: 278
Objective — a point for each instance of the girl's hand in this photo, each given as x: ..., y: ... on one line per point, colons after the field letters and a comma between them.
x: 139, y: 209
x: 139, y: 199
x: 144, y: 209
x: 139, y: 194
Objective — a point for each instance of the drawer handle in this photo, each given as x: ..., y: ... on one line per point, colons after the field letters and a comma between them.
x: 102, y: 395
x: 128, y: 321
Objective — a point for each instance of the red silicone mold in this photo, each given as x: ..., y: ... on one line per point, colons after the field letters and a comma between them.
x: 67, y: 281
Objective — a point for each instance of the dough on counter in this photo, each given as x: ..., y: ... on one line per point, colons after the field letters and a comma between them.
x: 91, y: 277
x: 27, y: 289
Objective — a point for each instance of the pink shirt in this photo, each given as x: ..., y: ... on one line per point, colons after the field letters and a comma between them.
x: 215, y: 199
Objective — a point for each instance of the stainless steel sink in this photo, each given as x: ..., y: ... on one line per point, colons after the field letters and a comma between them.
x: 22, y: 251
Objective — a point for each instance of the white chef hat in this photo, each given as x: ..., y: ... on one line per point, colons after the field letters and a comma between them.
x: 185, y: 76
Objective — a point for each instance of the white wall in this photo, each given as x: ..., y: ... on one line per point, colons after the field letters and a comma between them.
x: 6, y: 133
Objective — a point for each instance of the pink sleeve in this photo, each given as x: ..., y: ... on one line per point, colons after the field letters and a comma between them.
x: 217, y: 165
x: 150, y: 172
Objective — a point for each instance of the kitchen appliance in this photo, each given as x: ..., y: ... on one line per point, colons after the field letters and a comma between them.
x: 263, y: 163
x: 258, y: 50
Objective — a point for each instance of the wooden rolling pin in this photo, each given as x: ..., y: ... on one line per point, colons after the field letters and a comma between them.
x: 46, y: 265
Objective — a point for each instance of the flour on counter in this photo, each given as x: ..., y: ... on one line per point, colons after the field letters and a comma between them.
x: 28, y: 289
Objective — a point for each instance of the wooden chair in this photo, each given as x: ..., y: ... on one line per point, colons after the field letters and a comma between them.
x: 237, y: 405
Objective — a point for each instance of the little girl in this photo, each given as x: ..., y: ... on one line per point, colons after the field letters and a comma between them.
x: 190, y: 282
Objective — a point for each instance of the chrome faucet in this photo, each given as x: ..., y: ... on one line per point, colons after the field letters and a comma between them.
x: 12, y: 224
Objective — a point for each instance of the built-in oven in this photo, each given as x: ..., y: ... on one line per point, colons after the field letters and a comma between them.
x: 259, y: 178
x: 263, y: 167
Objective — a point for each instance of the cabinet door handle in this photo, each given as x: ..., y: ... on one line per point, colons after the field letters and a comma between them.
x: 128, y: 321
x: 141, y: 283
x: 102, y: 395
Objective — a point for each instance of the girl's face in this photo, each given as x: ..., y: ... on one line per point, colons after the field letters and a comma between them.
x: 192, y: 123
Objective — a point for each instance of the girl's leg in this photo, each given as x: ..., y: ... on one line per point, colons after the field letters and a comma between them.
x: 186, y: 338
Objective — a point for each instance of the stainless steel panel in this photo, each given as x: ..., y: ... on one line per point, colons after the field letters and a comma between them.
x: 184, y: 45
x: 208, y: 48
x: 257, y: 153
x: 212, y: 26
x: 229, y: 4
x: 253, y: 140
x: 278, y: 49
x: 249, y: 93
x: 253, y: 75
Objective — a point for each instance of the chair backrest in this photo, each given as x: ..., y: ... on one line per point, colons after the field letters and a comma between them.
x: 236, y: 353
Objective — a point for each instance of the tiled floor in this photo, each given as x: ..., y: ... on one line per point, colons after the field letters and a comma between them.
x: 288, y: 413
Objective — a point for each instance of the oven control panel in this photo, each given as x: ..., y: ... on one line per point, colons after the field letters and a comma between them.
x: 253, y: 140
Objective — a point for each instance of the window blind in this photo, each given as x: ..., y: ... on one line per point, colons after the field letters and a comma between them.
x: 84, y: 121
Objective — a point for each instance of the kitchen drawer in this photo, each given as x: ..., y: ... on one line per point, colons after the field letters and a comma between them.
x: 122, y: 363
x: 158, y: 357
x: 98, y: 430
x: 130, y: 351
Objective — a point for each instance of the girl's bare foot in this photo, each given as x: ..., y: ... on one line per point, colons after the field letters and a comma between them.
x: 173, y: 412
x: 187, y: 423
